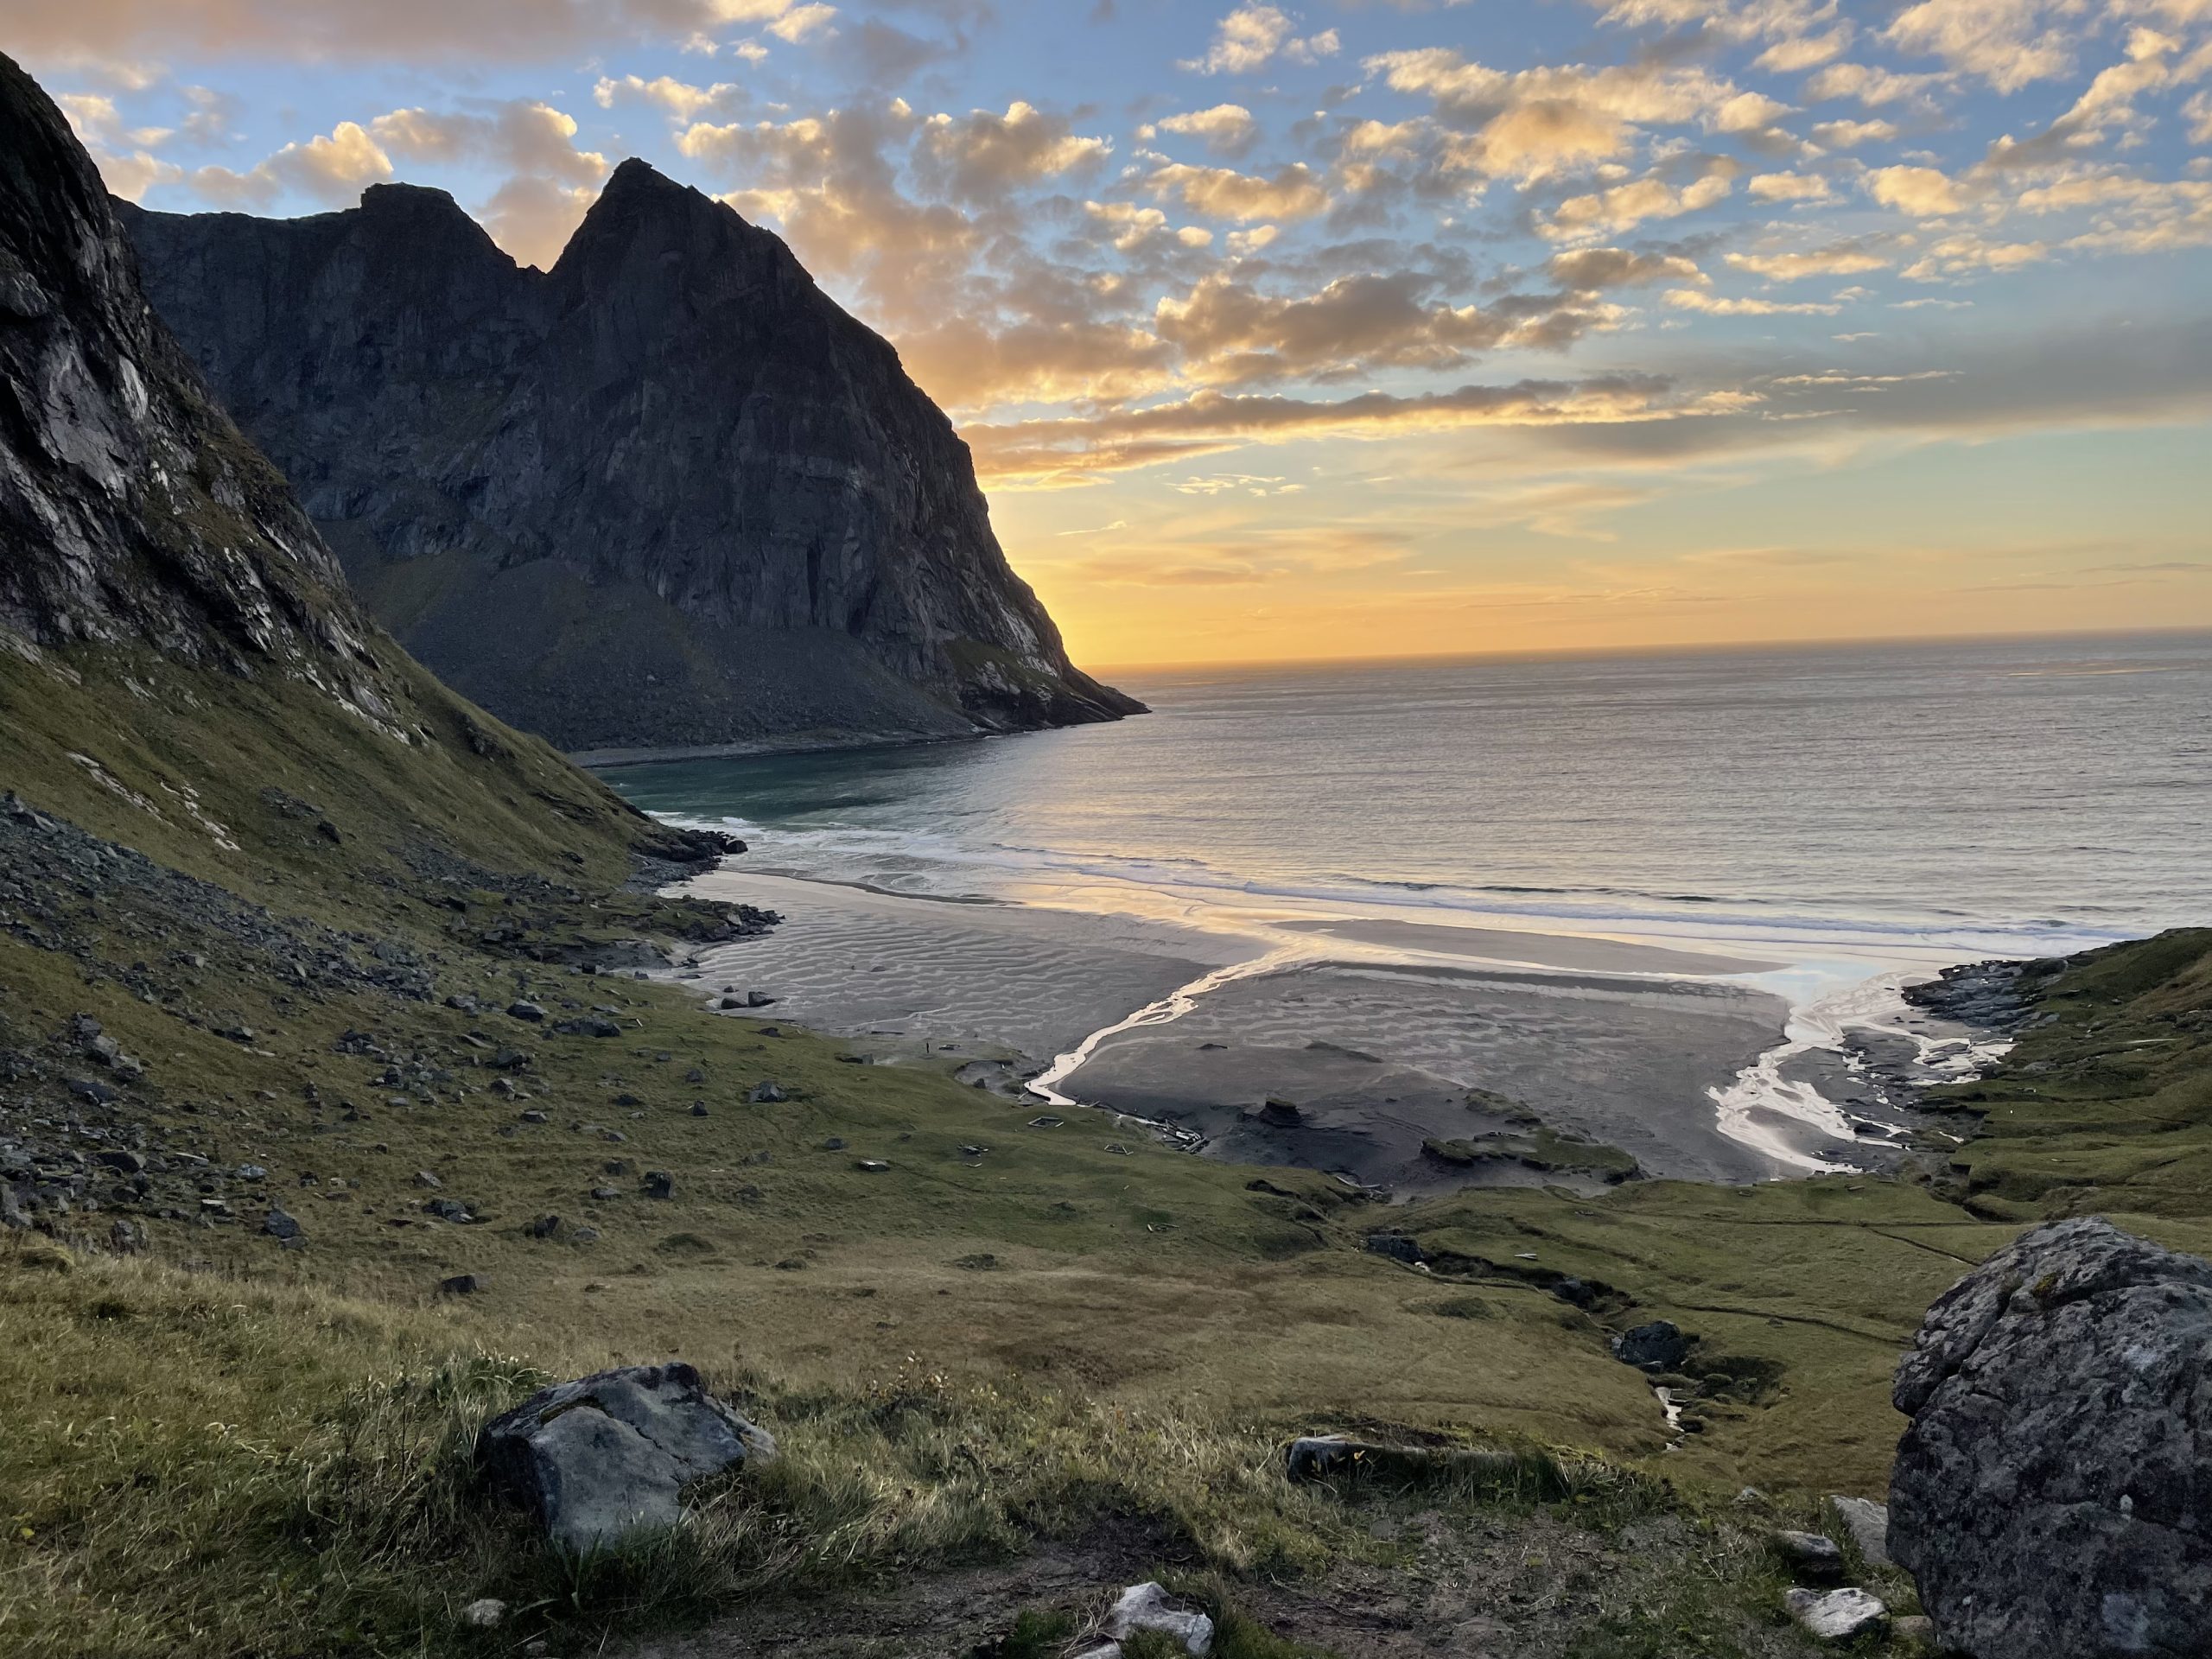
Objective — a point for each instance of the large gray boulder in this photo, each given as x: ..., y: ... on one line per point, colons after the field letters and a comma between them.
x: 610, y: 1453
x: 2053, y: 1493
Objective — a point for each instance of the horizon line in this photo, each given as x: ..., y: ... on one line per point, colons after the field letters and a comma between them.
x: 1569, y: 653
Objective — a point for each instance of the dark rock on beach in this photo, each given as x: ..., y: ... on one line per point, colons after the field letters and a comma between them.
x: 1994, y: 996
x: 2054, y: 1492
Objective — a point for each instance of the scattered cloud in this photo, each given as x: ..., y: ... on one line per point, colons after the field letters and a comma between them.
x: 1227, y: 130
x: 1252, y: 36
x: 1292, y: 192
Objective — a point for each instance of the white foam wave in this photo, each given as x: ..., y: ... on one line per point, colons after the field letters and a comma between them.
x: 943, y: 865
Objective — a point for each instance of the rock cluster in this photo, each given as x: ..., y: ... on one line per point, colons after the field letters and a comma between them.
x: 2053, y: 1494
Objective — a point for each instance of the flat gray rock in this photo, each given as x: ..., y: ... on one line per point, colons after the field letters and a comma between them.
x: 1836, y: 1615
x: 605, y: 1455
x: 1868, y: 1523
x: 2054, y: 1492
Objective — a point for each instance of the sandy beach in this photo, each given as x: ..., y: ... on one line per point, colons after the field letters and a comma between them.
x: 1298, y: 1056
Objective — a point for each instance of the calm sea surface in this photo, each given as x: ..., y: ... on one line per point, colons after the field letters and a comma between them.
x: 1908, y: 802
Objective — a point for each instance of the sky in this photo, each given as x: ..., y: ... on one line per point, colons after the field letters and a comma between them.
x: 1393, y: 328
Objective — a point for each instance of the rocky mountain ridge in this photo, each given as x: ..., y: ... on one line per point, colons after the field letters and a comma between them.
x: 666, y: 495
x: 131, y: 511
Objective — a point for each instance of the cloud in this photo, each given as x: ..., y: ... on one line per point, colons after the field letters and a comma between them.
x: 802, y: 22
x: 523, y: 134
x: 124, y: 155
x: 1970, y: 253
x: 1804, y: 52
x: 682, y: 101
x: 1922, y: 192
x: 1227, y: 129
x: 2008, y: 43
x: 1849, y: 134
x: 1696, y: 299
x: 532, y: 217
x: 1837, y: 259
x: 1292, y: 192
x: 333, y: 169
x: 1626, y: 205
x: 1535, y: 122
x: 1134, y: 226
x: 1872, y: 86
x: 496, y: 31
x: 1071, y: 450
x: 1232, y: 334
x: 1600, y: 268
x: 1251, y: 37
x: 1788, y: 186
x: 980, y: 155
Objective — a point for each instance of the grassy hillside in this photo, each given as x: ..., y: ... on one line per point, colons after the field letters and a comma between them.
x: 227, y: 1445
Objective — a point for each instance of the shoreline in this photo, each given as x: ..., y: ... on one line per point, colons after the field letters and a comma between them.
x: 769, y: 747
x: 1317, y: 1048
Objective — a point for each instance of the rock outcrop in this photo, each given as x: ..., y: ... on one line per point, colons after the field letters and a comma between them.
x: 667, y: 494
x: 131, y: 511
x: 2054, y: 1492
x: 608, y: 1454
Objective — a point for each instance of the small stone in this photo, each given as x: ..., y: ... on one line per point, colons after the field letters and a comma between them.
x: 872, y: 1165
x: 529, y: 1011
x: 659, y: 1184
x: 485, y: 1615
x: 275, y: 1224
x: 1811, y: 1554
x: 764, y: 1094
x: 462, y: 1284
x: 423, y: 1178
x: 1836, y: 1615
x: 534, y: 1115
x: 695, y: 1075
x: 698, y: 1109
x: 544, y: 1227
x: 450, y: 1209
x: 835, y: 1143
x: 1914, y: 1627
x: 1146, y: 1607
x: 605, y: 1194
x: 121, y: 1160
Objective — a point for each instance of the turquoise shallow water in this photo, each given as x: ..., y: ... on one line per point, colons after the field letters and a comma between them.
x: 1910, y: 802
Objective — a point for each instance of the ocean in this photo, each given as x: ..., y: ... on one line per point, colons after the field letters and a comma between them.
x: 1819, y: 820
x: 1954, y: 799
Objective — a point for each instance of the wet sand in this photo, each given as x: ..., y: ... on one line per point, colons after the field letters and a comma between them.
x: 1543, y: 949
x: 988, y: 981
x: 1377, y: 1060
x: 1364, y: 1061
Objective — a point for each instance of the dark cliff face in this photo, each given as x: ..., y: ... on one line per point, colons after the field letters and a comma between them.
x: 666, y: 494
x: 131, y: 511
